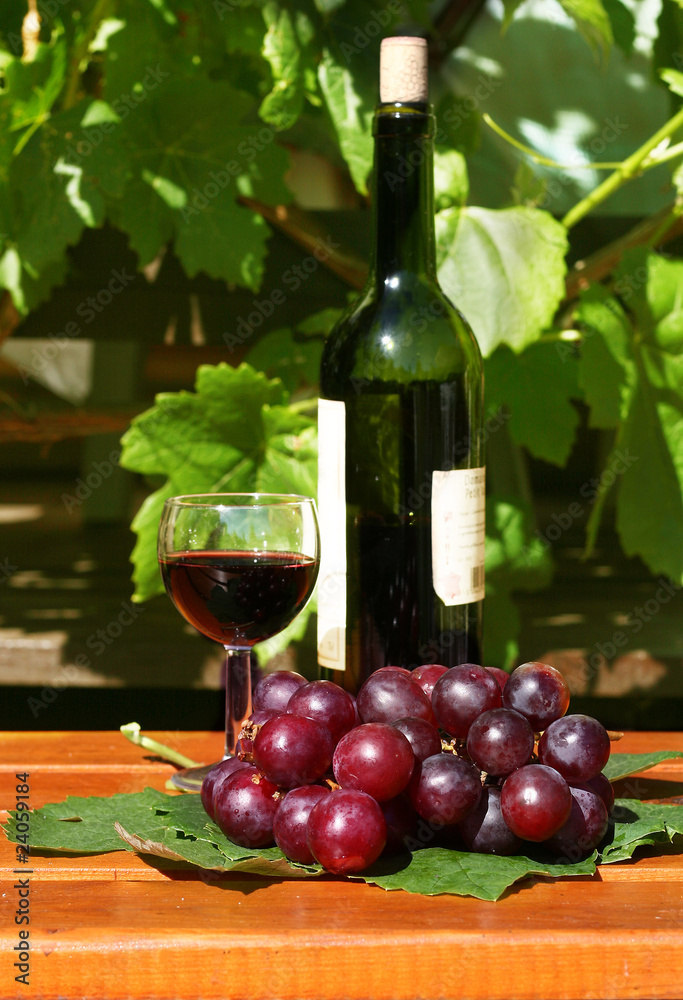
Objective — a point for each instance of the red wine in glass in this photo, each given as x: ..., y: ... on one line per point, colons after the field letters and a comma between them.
x: 239, y: 567
x: 239, y: 598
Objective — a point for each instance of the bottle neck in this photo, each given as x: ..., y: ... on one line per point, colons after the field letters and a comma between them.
x: 403, y: 193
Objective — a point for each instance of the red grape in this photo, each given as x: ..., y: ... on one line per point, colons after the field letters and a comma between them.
x: 500, y: 675
x: 484, y: 830
x: 603, y: 787
x: 375, y: 758
x: 291, y: 820
x: 346, y: 831
x: 213, y: 778
x: 401, y: 820
x: 462, y: 694
x: 245, y: 807
x: 274, y: 690
x: 584, y: 828
x: 427, y: 675
x: 326, y: 702
x: 444, y: 788
x: 535, y: 801
x: 500, y: 741
x: 577, y: 746
x: 422, y: 735
x: 292, y: 750
x: 538, y: 692
x: 245, y: 744
x: 388, y: 695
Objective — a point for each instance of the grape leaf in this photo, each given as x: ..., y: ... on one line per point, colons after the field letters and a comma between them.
x: 352, y: 118
x: 632, y: 375
x: 593, y: 22
x: 190, y: 171
x: 287, y: 46
x: 623, y: 24
x: 451, y: 183
x: 176, y: 827
x: 234, y: 434
x: 515, y: 560
x: 504, y: 269
x: 638, y: 824
x: 621, y: 765
x: 607, y: 372
x: 30, y: 88
x: 548, y: 427
x: 435, y: 870
x: 654, y: 443
x: 280, y: 355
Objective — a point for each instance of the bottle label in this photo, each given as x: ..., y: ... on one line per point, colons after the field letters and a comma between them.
x: 332, y: 518
x: 458, y: 535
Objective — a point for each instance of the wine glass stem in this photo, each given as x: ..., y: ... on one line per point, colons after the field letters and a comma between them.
x: 237, y: 694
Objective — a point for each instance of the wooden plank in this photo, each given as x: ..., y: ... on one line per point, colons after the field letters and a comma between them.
x: 328, y: 939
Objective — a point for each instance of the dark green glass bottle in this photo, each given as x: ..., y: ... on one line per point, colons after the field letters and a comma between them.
x: 401, y: 477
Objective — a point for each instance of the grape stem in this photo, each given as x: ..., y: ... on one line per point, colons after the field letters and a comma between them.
x: 132, y: 732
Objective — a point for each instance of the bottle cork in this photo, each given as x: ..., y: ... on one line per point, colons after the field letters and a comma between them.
x: 403, y: 70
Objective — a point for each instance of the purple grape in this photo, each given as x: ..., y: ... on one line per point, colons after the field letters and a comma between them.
x: 577, y: 746
x: 389, y: 694
x: 585, y: 827
x: 603, y: 787
x: 291, y: 820
x: 484, y: 830
x: 218, y: 773
x: 397, y: 670
x: 245, y: 745
x: 500, y: 741
x: 422, y: 735
x: 401, y: 820
x: 375, y: 758
x: 427, y: 675
x: 346, y: 831
x: 501, y: 676
x: 245, y: 806
x: 535, y: 801
x: 538, y: 692
x: 444, y: 788
x: 326, y: 702
x: 292, y: 750
x: 274, y: 690
x: 462, y: 694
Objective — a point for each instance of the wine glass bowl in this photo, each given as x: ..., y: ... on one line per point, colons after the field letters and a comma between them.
x: 239, y: 567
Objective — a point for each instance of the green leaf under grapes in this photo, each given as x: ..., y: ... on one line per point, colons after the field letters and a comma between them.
x: 621, y: 765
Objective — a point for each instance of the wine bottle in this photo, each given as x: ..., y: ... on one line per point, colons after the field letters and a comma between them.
x: 401, y: 474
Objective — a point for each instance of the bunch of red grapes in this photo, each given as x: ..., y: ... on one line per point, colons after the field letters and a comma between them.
x: 468, y: 756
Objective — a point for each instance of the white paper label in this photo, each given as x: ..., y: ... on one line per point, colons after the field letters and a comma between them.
x: 458, y: 535
x: 332, y: 518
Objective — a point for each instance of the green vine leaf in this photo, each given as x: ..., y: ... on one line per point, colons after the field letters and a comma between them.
x: 352, y: 118
x: 505, y: 269
x: 547, y: 428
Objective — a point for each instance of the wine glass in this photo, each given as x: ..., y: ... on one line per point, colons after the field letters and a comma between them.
x: 239, y: 567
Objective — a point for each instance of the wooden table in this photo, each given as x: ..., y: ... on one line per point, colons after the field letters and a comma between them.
x: 116, y: 925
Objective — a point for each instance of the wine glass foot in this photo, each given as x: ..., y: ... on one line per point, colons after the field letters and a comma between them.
x: 190, y: 778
